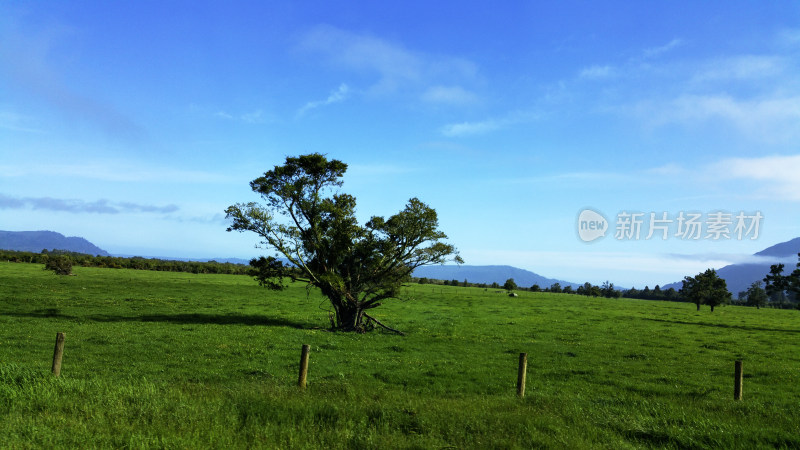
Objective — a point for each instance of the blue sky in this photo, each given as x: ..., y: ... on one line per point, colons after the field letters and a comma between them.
x: 135, y: 124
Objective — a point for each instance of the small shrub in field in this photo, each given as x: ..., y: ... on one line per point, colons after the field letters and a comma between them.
x: 60, y: 264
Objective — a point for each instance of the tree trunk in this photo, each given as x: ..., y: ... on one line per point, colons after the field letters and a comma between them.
x: 698, y: 306
x: 349, y: 318
x: 712, y: 308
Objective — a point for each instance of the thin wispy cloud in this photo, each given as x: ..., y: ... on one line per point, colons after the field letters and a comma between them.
x: 253, y: 117
x: 597, y: 72
x: 471, y: 128
x: 768, y: 119
x: 28, y: 53
x: 741, y: 67
x: 454, y: 95
x: 778, y: 175
x: 770, y: 177
x: 338, y: 95
x: 114, y: 171
x: 78, y: 206
x: 18, y: 122
x: 395, y: 66
x: 461, y: 129
x: 653, y: 52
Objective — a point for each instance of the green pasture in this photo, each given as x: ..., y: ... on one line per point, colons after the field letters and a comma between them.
x: 177, y: 360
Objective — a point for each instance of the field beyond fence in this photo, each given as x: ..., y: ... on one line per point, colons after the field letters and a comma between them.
x: 163, y: 359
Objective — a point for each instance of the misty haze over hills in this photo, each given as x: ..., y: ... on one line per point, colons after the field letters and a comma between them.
x: 739, y: 277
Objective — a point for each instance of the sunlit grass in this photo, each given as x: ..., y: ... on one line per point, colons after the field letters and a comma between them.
x: 158, y: 359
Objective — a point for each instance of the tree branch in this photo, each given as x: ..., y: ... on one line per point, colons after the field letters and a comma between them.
x: 382, y: 325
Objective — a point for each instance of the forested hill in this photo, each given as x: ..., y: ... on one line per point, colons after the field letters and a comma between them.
x: 488, y: 275
x: 36, y: 241
x: 738, y: 277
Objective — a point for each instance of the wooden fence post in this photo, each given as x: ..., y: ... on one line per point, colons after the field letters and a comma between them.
x: 301, y: 381
x: 58, y: 353
x: 737, y: 380
x: 521, y: 372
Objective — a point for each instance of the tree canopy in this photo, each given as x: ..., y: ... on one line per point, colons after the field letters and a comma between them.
x: 307, y: 221
x: 706, y: 288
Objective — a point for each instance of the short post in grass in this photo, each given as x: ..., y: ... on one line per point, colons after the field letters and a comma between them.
x: 737, y: 380
x: 301, y: 381
x: 58, y: 353
x: 523, y: 369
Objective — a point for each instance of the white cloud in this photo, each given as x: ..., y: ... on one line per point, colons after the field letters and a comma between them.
x: 113, y: 171
x: 470, y: 128
x: 597, y: 72
x: 455, y: 95
x: 652, y: 52
x: 486, y: 126
x: 338, y: 95
x: 395, y: 65
x: 624, y: 269
x: 778, y: 173
x: 29, y: 55
x: 741, y: 67
x: 789, y: 37
x: 768, y: 119
x: 253, y: 117
x: 670, y: 169
x: 17, y: 122
x: 102, y: 206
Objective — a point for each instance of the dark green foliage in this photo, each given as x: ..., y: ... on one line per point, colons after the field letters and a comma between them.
x: 510, y: 285
x: 588, y: 290
x: 778, y: 285
x: 59, y: 264
x: 305, y: 219
x: 756, y: 296
x: 608, y: 291
x: 271, y: 273
x: 706, y: 288
x: 136, y: 262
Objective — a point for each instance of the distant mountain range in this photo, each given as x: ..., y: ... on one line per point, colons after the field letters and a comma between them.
x: 488, y: 275
x: 739, y: 277
x: 36, y: 241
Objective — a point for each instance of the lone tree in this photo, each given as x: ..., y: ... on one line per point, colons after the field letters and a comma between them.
x: 776, y: 283
x: 59, y: 264
x: 510, y: 285
x: 307, y: 221
x: 706, y: 288
x: 756, y: 296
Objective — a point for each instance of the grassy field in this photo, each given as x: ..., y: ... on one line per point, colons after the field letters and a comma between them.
x: 178, y: 360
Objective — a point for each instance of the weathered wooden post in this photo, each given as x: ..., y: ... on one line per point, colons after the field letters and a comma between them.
x: 301, y: 381
x: 521, y: 371
x: 58, y: 353
x: 737, y: 380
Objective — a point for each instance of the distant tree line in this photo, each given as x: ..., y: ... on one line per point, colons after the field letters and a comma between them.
x: 49, y: 257
x: 780, y: 290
